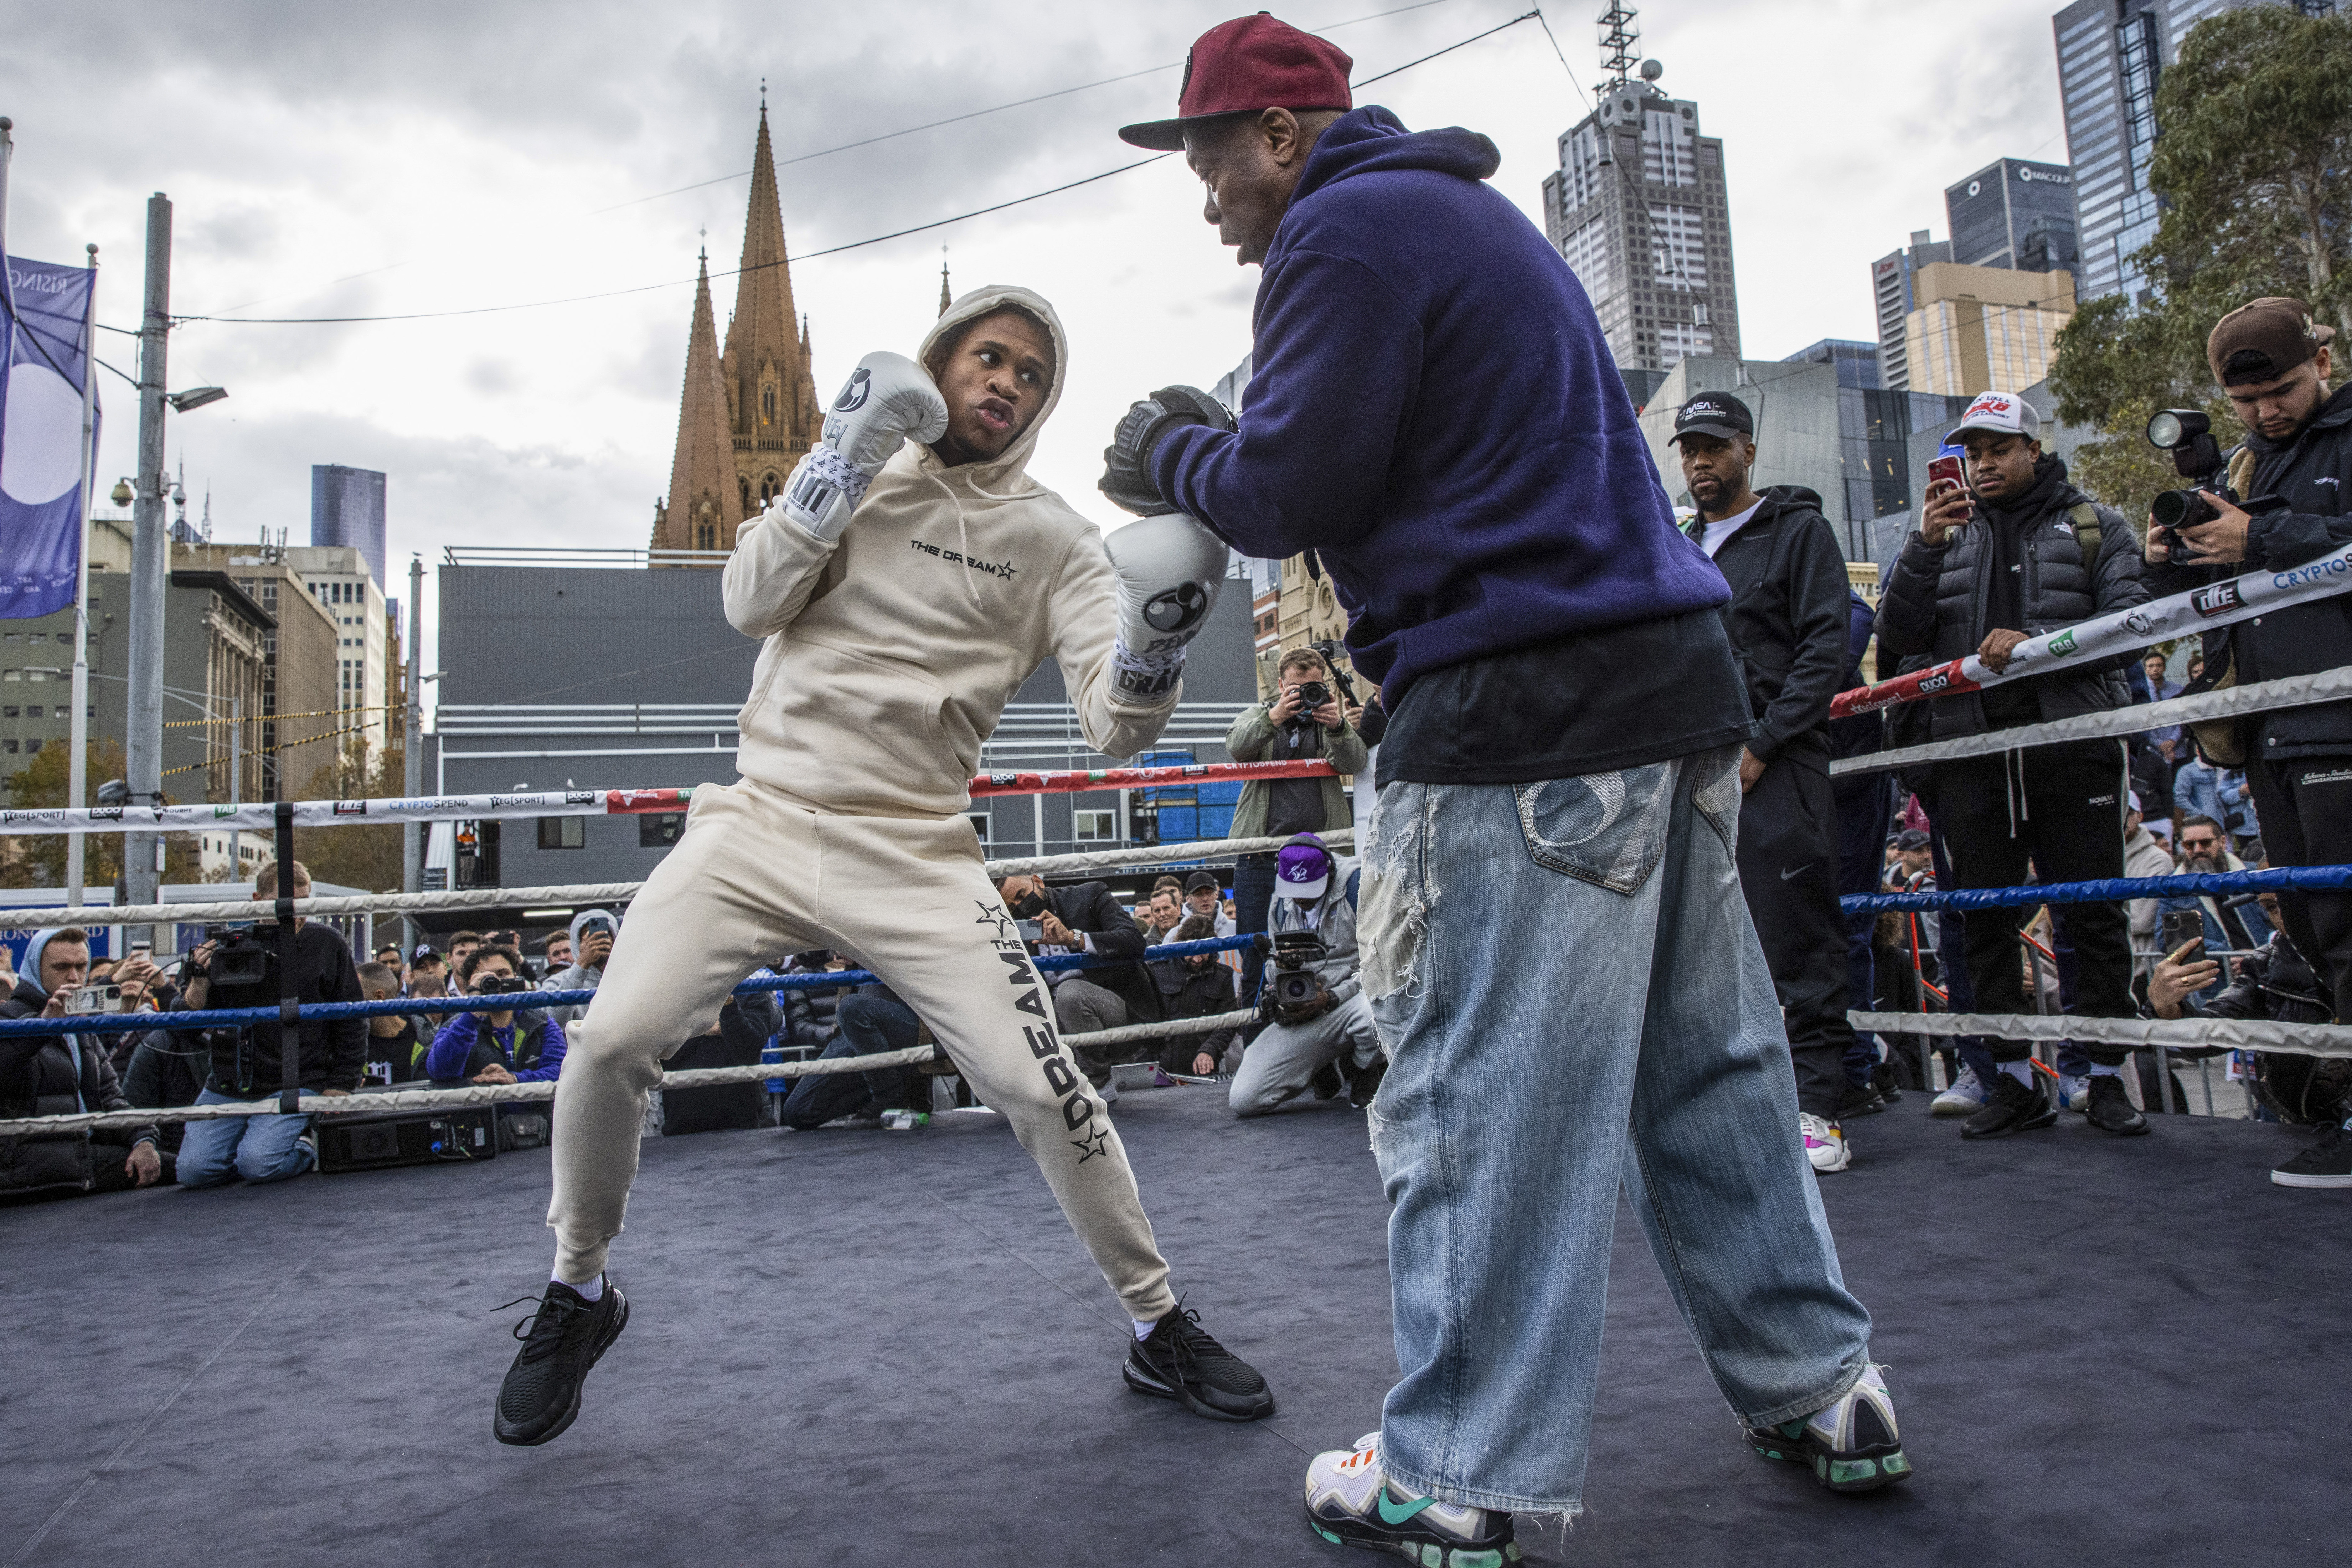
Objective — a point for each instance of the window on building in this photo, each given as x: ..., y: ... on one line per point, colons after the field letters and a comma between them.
x: 1096, y: 826
x: 8, y: 747
x: 979, y: 820
x: 563, y: 833
x: 34, y: 712
x: 32, y: 745
x: 659, y: 830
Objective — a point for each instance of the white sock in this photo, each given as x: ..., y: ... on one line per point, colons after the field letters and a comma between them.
x: 2023, y: 1071
x: 1143, y: 1329
x: 591, y: 1291
x: 2098, y: 1071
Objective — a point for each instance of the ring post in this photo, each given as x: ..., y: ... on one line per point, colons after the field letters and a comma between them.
x: 289, y: 1003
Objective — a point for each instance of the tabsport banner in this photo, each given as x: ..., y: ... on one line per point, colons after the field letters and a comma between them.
x: 42, y: 351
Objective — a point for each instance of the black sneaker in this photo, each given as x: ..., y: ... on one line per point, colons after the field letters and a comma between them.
x: 2327, y: 1164
x: 1364, y: 1083
x: 1884, y: 1078
x: 1181, y: 1362
x: 1859, y: 1099
x: 2010, y: 1107
x: 2110, y: 1109
x: 1328, y: 1083
x: 568, y: 1335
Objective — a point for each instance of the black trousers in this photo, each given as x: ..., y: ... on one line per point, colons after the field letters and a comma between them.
x: 2306, y: 807
x: 1865, y: 806
x: 1789, y: 871
x: 2060, y: 809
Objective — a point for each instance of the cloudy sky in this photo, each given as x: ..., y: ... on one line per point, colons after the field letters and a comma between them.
x: 347, y: 160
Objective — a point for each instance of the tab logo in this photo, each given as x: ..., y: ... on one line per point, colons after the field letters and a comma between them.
x: 2062, y: 645
x: 2218, y: 600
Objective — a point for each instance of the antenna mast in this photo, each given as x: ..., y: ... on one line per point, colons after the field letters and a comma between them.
x: 1620, y: 27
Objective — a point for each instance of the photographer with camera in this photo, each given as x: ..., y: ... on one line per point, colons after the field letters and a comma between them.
x: 2283, y: 507
x: 2017, y: 552
x: 62, y: 1075
x: 592, y: 935
x: 1321, y: 1035
x: 236, y: 966
x: 1303, y: 719
x: 494, y: 1044
x: 1085, y: 918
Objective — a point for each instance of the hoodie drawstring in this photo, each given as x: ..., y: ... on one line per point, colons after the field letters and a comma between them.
x: 964, y: 534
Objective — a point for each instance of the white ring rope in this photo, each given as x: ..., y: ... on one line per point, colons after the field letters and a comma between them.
x: 2171, y: 1034
x: 2295, y: 691
x: 503, y: 1093
x: 587, y: 895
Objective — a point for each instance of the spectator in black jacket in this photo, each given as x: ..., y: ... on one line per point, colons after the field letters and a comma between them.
x: 1086, y: 919
x: 2273, y: 363
x: 1866, y: 814
x: 1200, y: 986
x: 245, y: 1060
x: 1787, y: 621
x: 63, y: 1075
x: 2015, y: 554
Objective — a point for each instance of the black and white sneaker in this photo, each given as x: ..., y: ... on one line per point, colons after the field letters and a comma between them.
x: 1181, y: 1362
x: 568, y: 1335
x: 2327, y: 1164
x: 2010, y: 1107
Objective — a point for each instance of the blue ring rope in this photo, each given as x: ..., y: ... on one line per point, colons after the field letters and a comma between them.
x: 2300, y: 878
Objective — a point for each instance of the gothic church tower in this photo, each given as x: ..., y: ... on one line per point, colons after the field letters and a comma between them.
x: 757, y: 394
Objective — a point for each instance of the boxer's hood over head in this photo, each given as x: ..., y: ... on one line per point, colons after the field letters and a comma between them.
x: 1009, y: 466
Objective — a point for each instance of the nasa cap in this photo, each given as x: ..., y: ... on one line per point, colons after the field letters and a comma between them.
x: 1715, y: 414
x: 2001, y: 413
x: 1247, y: 64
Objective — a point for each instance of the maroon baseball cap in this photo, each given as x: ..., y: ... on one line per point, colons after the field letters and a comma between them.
x: 1243, y: 66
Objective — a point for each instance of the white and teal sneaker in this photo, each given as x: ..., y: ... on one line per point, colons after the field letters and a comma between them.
x: 1351, y: 1501
x: 1853, y: 1445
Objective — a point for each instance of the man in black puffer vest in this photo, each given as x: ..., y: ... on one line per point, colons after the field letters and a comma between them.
x: 2021, y: 552
x: 1787, y: 621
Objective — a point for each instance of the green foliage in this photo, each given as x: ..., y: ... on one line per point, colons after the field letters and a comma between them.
x: 353, y: 857
x: 40, y: 860
x: 2254, y: 161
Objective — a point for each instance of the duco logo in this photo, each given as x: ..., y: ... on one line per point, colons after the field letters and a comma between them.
x: 1935, y: 683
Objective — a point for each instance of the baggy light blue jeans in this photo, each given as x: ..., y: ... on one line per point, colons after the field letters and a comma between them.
x: 1571, y: 995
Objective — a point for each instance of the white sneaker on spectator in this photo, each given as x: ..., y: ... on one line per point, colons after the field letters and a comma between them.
x: 1965, y: 1098
x: 2074, y: 1093
x: 1825, y: 1144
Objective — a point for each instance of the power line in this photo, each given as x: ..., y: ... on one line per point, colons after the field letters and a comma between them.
x: 830, y: 250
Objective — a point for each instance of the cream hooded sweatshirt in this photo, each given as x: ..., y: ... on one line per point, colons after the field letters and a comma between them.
x: 891, y: 654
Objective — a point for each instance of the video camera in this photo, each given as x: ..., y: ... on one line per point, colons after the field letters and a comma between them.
x: 1293, y: 990
x: 2188, y: 435
x: 239, y: 955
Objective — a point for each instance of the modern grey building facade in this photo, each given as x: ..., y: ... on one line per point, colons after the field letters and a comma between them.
x: 347, y: 508
x: 1638, y: 209
x: 1891, y: 285
x: 2016, y: 213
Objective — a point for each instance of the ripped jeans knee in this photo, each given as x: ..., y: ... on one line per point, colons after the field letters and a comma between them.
x: 1399, y: 891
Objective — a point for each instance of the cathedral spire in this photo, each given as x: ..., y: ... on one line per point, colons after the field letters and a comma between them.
x: 705, y: 496
x: 771, y: 408
x: 946, y: 297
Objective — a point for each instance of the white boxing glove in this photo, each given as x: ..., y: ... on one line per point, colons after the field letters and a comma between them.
x: 888, y: 399
x: 1169, y: 568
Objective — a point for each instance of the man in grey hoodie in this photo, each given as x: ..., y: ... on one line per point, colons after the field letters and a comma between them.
x: 592, y: 943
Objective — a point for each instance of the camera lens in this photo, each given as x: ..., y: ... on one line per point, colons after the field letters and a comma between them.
x: 2182, y: 509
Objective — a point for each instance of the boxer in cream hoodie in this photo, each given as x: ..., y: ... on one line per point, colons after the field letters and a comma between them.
x: 906, y: 583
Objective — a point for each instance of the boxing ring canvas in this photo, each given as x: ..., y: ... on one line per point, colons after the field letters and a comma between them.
x: 871, y: 1347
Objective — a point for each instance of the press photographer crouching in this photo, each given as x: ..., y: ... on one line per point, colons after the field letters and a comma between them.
x: 1321, y: 1036
x: 2283, y: 508
x: 236, y: 966
x: 495, y: 1045
x: 63, y: 1075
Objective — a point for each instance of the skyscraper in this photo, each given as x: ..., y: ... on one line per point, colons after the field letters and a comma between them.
x: 1637, y: 207
x: 1894, y: 287
x: 347, y: 508
x: 2111, y: 54
x: 2014, y: 213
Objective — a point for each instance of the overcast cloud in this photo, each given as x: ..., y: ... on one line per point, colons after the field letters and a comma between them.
x: 353, y: 160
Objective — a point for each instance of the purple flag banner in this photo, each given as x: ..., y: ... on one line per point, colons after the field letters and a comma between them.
x: 41, y: 502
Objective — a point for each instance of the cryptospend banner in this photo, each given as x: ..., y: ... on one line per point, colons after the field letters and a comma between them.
x: 41, y: 349
x: 2181, y: 615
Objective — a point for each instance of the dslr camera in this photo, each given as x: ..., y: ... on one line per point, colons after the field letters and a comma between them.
x: 239, y: 955
x: 501, y: 984
x: 2188, y: 435
x: 1293, y: 990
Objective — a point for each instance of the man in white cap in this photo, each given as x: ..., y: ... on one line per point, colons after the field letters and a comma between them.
x: 2014, y: 554
x: 1322, y: 1034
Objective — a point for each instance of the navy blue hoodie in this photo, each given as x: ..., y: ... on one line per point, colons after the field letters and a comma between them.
x: 1434, y: 410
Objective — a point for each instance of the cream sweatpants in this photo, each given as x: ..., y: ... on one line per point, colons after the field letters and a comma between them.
x: 754, y: 879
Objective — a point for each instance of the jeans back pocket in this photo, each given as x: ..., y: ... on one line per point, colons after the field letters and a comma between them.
x: 1607, y: 828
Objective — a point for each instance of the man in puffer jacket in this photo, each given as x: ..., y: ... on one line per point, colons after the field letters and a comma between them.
x: 63, y: 1075
x: 2016, y: 554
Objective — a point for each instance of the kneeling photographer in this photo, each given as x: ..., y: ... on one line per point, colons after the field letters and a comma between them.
x: 495, y: 1045
x: 2273, y: 362
x: 236, y: 966
x: 1321, y: 1036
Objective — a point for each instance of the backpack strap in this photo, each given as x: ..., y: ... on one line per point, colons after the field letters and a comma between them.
x: 2086, y: 518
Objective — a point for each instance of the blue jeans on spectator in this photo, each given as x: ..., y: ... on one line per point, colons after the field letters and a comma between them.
x: 869, y: 1025
x: 1571, y: 994
x: 258, y: 1148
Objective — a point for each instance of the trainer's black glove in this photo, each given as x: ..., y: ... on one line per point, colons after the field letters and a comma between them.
x: 1127, y: 461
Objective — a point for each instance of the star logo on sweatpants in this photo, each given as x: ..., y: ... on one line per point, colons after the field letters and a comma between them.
x: 994, y: 915
x: 1096, y: 1142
